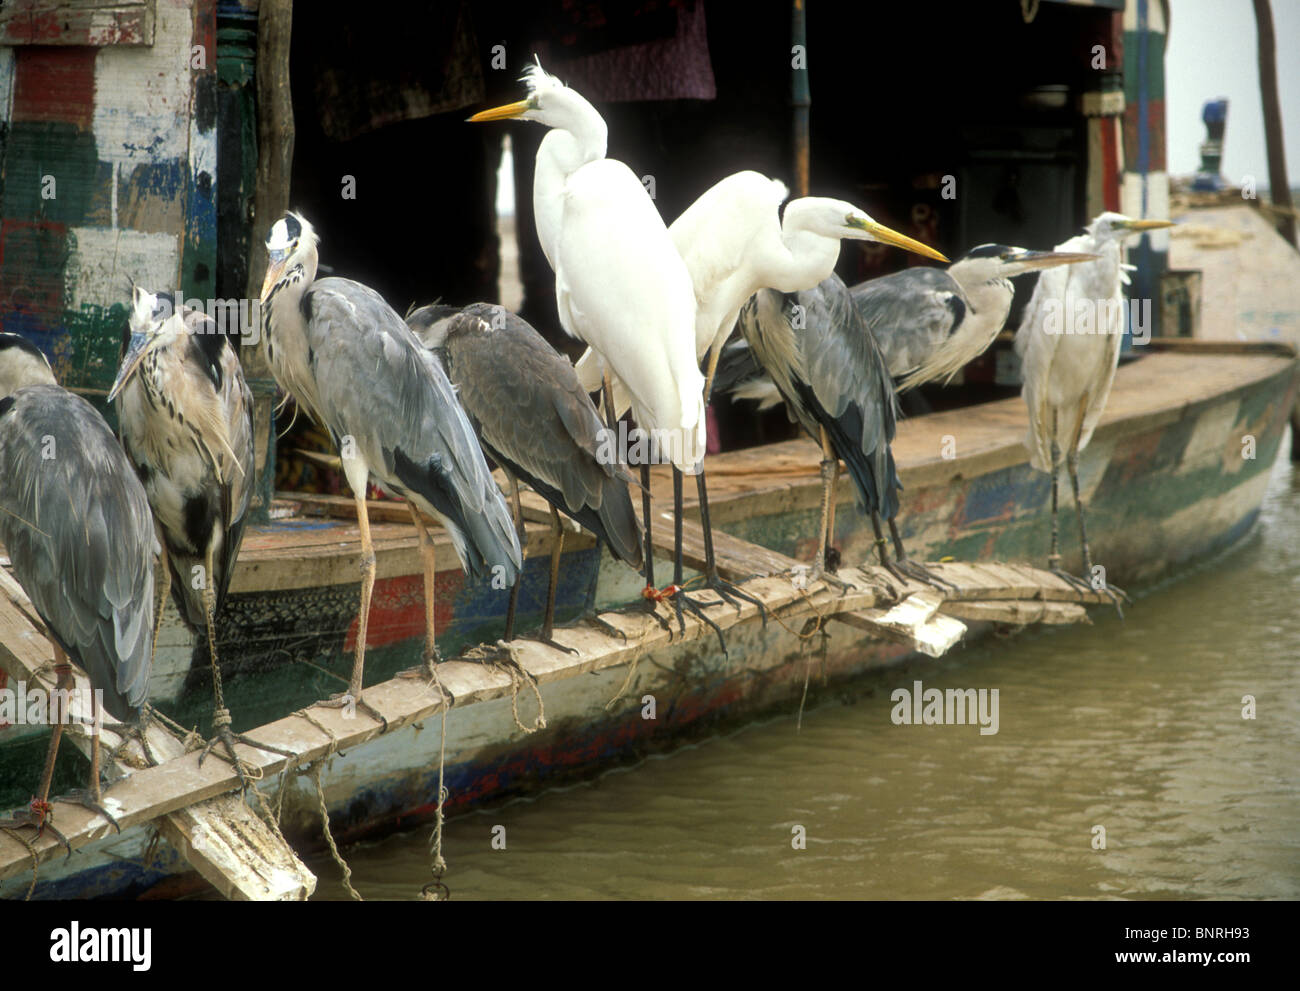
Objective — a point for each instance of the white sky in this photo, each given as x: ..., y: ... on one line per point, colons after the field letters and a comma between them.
x: 1212, y: 53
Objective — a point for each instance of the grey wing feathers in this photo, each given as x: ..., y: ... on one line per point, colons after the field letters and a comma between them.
x: 237, y: 407
x: 533, y: 412
x: 911, y: 313
x: 381, y: 387
x: 80, y: 535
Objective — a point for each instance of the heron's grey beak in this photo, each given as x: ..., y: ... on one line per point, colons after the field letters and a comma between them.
x: 883, y: 234
x: 1032, y: 261
x: 510, y: 111
x: 1144, y: 225
x: 134, y: 352
x: 274, y: 269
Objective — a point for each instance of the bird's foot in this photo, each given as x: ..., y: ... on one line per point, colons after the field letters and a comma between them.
x: 609, y: 629
x: 346, y: 700
x: 821, y: 574
x: 650, y: 599
x: 728, y: 592
x: 554, y: 644
x: 38, y: 816
x: 425, y: 670
x: 683, y: 603
x: 128, y: 732
x: 88, y: 800
x: 1114, y: 593
x: 919, y: 572
x: 226, y: 739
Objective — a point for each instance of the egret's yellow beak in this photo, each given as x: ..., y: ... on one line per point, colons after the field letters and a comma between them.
x: 1144, y: 225
x: 883, y: 234
x: 509, y: 112
x: 274, y: 269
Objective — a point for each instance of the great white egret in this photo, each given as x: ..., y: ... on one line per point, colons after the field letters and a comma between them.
x: 352, y: 365
x: 1069, y: 341
x: 620, y: 284
x: 75, y: 522
x: 735, y: 242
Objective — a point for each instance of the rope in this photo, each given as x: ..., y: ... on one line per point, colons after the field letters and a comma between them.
x: 320, y: 801
x: 329, y: 837
x: 36, y: 860
x: 437, y: 890
x: 631, y: 670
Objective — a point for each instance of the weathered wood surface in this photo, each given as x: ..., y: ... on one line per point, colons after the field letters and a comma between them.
x: 77, y: 22
x: 220, y: 837
x: 174, y: 788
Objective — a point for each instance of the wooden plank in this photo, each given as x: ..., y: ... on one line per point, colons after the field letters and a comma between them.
x: 220, y: 837
x: 914, y: 621
x: 1016, y: 612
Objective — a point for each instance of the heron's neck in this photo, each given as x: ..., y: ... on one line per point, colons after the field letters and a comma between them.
x: 806, y: 259
x: 990, y: 298
x: 284, y: 325
x: 582, y: 139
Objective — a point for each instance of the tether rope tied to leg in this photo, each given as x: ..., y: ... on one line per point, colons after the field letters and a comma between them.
x: 36, y: 859
x: 320, y: 801
x: 221, y: 719
x: 329, y: 838
x: 437, y: 890
x: 517, y: 675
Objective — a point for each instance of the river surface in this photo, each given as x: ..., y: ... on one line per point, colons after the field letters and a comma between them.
x: 1133, y: 726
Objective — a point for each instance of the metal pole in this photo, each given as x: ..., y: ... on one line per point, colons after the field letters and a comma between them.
x: 800, y: 97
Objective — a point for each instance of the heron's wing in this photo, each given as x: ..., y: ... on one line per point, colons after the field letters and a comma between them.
x: 740, y: 374
x: 849, y: 378
x: 239, y: 477
x: 79, y: 533
x: 911, y: 313
x: 534, y: 416
x: 386, y: 394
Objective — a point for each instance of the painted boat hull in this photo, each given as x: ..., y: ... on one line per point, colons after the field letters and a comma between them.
x: 1163, y: 489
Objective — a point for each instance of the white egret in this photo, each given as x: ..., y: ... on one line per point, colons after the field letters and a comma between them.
x: 1069, y: 341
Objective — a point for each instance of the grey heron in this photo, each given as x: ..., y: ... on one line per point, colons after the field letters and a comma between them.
x: 828, y: 368
x: 930, y: 322
x: 1069, y: 342
x: 185, y: 415
x: 75, y: 521
x: 535, y: 421
x: 353, y: 365
x: 620, y: 284
x: 735, y: 242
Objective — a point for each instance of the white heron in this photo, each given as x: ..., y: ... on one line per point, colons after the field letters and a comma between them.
x: 1068, y: 342
x: 620, y: 284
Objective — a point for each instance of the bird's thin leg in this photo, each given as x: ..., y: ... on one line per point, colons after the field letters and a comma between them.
x: 915, y: 569
x: 724, y: 589
x: 517, y: 510
x: 1054, y: 558
x: 428, y: 554
x: 548, y: 620
x: 681, y: 601
x: 823, y: 566
x: 883, y: 553
x: 1115, y: 594
x: 353, y: 694
x: 220, y: 714
x: 39, y: 813
x: 650, y: 595
x: 611, y: 418
x: 91, y: 797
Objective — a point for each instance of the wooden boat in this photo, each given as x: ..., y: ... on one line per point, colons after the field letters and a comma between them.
x: 1169, y: 478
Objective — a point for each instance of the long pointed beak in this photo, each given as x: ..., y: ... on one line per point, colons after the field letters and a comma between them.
x: 274, y: 269
x: 1145, y: 225
x: 131, y: 361
x: 883, y: 234
x: 509, y: 112
x: 1032, y: 261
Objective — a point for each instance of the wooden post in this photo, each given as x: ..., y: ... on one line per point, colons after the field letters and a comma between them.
x: 1278, y: 184
x: 275, y: 137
